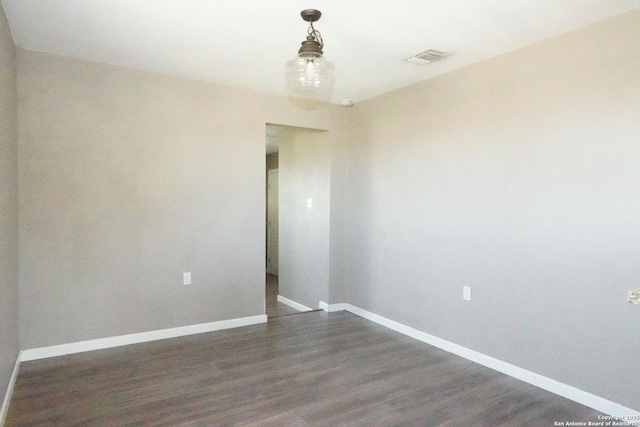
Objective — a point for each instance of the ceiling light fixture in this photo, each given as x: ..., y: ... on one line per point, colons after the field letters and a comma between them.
x: 309, y: 73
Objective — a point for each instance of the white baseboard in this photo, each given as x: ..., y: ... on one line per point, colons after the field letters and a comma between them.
x: 293, y: 304
x: 330, y: 308
x: 7, y: 396
x: 595, y: 402
x: 101, y: 343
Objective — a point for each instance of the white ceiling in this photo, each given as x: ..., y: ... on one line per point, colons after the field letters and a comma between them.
x: 247, y: 42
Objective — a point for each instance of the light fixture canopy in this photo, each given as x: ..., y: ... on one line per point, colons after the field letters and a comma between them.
x: 309, y: 73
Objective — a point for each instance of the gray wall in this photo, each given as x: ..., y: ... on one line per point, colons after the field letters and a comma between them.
x: 337, y: 217
x: 8, y: 207
x: 129, y: 178
x: 518, y: 176
x: 304, y: 165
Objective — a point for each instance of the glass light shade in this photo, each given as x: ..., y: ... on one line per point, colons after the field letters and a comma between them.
x: 310, y: 73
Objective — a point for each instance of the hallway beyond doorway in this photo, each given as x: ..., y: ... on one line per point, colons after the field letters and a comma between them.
x: 274, y: 307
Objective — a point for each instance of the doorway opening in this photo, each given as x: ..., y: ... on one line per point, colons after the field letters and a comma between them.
x: 297, y: 177
x: 274, y: 308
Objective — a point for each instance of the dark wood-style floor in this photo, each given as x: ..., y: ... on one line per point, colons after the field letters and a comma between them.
x: 275, y: 308
x: 316, y: 368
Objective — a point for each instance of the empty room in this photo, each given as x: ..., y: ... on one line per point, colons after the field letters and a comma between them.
x: 333, y: 213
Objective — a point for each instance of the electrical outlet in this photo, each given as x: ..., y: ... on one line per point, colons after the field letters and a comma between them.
x: 186, y: 278
x: 633, y: 296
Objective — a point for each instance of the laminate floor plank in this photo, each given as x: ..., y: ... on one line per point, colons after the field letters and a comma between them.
x: 310, y: 369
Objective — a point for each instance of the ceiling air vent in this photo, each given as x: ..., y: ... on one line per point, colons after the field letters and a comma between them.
x: 428, y: 56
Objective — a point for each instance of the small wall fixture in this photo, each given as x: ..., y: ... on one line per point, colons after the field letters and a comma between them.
x: 309, y: 73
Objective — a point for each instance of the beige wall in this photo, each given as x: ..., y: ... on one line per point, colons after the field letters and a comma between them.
x: 8, y: 207
x: 518, y: 176
x: 130, y: 178
x: 304, y: 231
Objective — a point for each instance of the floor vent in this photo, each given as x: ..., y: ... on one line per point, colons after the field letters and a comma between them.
x: 428, y: 56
